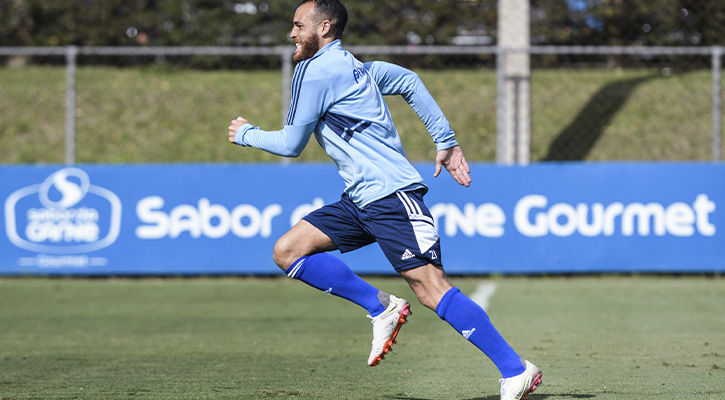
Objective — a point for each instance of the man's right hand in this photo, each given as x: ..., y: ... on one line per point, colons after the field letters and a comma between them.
x: 234, y: 127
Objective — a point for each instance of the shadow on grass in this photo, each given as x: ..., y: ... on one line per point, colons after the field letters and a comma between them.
x: 576, y: 141
x: 542, y: 396
x: 533, y: 396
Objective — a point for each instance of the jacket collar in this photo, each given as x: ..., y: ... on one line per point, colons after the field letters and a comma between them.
x: 334, y: 45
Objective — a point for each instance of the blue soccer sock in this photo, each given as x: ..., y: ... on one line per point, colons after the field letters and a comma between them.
x: 471, y: 321
x: 331, y: 275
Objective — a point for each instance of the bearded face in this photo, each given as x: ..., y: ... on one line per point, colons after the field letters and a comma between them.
x: 307, y: 47
x: 306, y: 32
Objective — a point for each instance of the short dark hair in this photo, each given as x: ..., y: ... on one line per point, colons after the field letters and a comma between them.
x: 332, y: 10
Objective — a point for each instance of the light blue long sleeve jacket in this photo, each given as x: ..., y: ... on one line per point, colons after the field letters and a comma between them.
x: 340, y: 100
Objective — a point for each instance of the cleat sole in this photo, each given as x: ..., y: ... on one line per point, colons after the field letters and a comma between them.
x: 388, y: 347
x: 535, y: 384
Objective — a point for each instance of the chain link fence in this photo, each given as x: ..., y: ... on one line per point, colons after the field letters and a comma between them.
x: 642, y: 94
x: 658, y: 103
x: 633, y: 82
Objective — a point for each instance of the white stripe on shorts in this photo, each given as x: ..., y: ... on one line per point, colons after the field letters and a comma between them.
x: 405, y: 203
x: 423, y: 226
x: 411, y: 206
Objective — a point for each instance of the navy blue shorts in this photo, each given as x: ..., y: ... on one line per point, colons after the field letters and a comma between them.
x: 400, y: 223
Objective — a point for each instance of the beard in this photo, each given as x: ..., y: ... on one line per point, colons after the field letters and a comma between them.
x: 308, y: 48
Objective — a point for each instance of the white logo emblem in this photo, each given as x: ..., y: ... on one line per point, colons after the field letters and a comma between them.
x: 408, y: 254
x: 467, y: 333
x: 69, y: 215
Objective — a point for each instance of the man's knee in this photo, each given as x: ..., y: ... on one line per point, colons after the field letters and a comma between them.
x: 302, y: 240
x: 283, y: 254
x: 429, y: 283
x: 427, y: 299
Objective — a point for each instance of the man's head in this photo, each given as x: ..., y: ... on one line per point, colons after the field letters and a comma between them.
x: 317, y: 23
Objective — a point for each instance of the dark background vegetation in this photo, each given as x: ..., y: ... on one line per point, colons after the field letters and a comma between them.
x: 413, y: 22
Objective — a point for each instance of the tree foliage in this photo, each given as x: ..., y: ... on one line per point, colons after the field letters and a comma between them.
x: 228, y: 22
x: 626, y: 23
x: 372, y: 22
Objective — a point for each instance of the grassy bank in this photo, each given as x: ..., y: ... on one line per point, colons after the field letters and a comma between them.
x: 170, y: 115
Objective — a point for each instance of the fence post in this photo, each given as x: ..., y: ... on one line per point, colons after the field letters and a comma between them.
x: 716, y: 104
x: 71, y: 54
x: 502, y: 133
x: 286, y: 55
x: 514, y: 37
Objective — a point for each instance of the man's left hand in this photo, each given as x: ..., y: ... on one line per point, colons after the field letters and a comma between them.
x: 452, y: 159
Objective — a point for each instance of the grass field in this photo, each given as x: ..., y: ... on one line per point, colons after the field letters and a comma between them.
x: 163, y: 114
x: 271, y: 338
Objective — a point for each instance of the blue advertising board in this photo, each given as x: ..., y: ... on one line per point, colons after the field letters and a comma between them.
x: 225, y: 219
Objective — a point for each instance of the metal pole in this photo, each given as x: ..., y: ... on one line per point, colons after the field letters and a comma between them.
x: 71, y: 53
x: 501, y: 128
x: 286, y: 81
x: 716, y: 104
x: 514, y: 28
x: 286, y: 88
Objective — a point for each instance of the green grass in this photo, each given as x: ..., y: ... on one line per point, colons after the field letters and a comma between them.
x: 253, y: 338
x: 161, y: 114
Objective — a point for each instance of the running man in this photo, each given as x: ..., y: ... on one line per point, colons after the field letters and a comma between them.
x: 340, y: 100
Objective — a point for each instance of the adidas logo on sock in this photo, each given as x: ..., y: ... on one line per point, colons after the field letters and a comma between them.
x: 408, y: 254
x: 467, y: 333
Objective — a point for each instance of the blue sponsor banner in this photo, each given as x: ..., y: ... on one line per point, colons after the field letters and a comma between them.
x: 225, y: 219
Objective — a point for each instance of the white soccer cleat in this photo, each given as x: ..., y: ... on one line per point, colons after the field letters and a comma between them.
x: 519, y: 386
x: 386, y: 327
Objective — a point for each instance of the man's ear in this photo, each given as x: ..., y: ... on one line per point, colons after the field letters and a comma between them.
x: 325, y: 28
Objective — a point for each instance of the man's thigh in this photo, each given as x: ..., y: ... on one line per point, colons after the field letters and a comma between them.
x: 340, y: 222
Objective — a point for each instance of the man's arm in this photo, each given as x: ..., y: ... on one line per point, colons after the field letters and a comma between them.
x: 287, y: 142
x: 396, y: 80
x: 310, y: 100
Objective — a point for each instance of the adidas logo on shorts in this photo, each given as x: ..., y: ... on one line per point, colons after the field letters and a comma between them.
x: 468, y: 332
x: 408, y: 254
